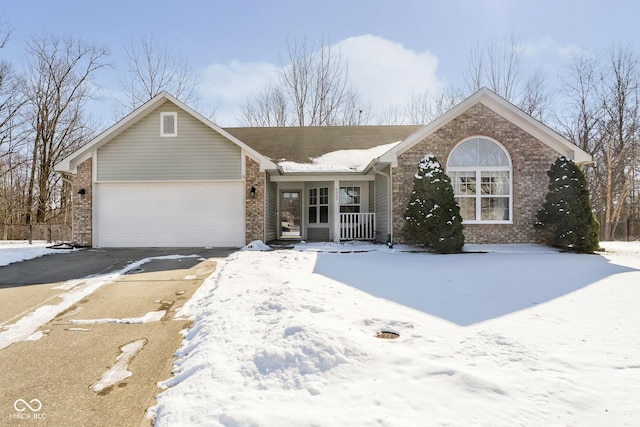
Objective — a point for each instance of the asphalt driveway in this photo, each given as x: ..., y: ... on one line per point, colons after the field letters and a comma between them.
x: 87, y: 262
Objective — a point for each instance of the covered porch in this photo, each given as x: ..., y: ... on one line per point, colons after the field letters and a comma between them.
x: 319, y: 209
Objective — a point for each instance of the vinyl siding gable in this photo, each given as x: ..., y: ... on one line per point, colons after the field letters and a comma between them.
x: 196, y: 153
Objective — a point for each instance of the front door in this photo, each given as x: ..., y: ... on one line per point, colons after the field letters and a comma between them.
x: 290, y: 216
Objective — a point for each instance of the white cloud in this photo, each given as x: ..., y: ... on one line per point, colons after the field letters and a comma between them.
x: 228, y: 86
x: 384, y: 72
x: 547, y: 46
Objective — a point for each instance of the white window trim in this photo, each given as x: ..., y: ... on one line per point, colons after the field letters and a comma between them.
x: 478, y: 197
x: 478, y: 171
x: 175, y: 124
x: 317, y: 205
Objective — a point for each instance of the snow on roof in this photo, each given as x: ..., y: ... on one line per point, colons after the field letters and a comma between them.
x: 339, y: 161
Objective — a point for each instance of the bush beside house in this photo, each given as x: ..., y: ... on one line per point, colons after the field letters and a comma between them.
x: 566, y: 218
x: 432, y: 215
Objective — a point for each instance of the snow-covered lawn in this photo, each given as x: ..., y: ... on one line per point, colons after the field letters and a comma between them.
x: 522, y: 335
x: 517, y: 335
x: 16, y: 251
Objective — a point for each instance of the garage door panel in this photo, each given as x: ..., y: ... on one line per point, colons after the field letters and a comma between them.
x: 170, y: 215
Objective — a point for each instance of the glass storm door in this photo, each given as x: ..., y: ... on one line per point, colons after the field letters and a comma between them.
x: 290, y: 217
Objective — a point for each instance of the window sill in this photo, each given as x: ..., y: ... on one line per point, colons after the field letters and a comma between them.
x: 488, y: 222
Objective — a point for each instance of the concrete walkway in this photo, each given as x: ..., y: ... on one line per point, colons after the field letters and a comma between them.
x: 76, y: 373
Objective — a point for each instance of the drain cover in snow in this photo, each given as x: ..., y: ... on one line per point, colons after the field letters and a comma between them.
x: 387, y: 335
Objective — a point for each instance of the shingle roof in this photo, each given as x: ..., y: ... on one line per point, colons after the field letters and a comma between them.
x: 300, y: 144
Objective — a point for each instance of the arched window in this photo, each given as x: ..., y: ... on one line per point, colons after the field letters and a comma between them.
x: 481, y: 175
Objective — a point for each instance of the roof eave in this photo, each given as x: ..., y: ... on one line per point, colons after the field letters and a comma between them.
x: 324, y: 172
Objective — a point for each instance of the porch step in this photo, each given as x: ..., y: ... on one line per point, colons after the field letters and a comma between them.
x: 283, y: 244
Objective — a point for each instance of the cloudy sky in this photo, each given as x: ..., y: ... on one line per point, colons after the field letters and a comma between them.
x: 393, y: 47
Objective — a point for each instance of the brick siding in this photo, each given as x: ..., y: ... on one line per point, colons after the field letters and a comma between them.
x: 81, y: 227
x: 530, y: 159
x: 254, y: 208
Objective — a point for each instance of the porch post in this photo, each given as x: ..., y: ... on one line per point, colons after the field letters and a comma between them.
x: 336, y: 211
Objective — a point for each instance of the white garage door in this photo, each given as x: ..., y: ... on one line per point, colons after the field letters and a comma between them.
x: 169, y: 215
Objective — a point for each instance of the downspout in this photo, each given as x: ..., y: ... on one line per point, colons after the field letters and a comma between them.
x: 390, y: 205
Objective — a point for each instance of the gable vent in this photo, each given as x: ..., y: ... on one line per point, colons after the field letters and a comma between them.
x: 169, y: 124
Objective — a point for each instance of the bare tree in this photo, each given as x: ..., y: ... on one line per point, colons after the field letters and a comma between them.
x: 581, y: 117
x: 499, y: 65
x: 12, y: 164
x: 151, y: 69
x: 13, y: 185
x: 57, y: 82
x: 312, y: 89
x: 496, y: 64
x: 536, y: 98
x: 424, y: 108
x: 603, y: 118
x: 392, y: 115
x: 9, y: 96
x: 354, y: 113
x: 618, y: 148
x: 583, y: 111
x: 268, y: 109
x: 10, y: 99
x: 421, y: 108
x: 5, y: 33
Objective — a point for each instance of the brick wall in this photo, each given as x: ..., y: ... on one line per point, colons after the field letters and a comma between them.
x: 254, y: 208
x: 81, y: 233
x: 530, y: 159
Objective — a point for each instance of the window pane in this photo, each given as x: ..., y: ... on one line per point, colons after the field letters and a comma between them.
x: 344, y: 198
x: 494, y: 208
x: 495, y: 183
x: 324, y: 196
x: 478, y: 152
x: 313, y: 196
x: 502, y: 183
x: 464, y: 183
x: 168, y: 124
x: 465, y: 154
x: 491, y: 154
x: 313, y: 214
x: 349, y: 195
x: 468, y: 184
x: 349, y: 209
x: 324, y: 214
x: 455, y: 182
x: 467, y: 208
x: 486, y: 181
